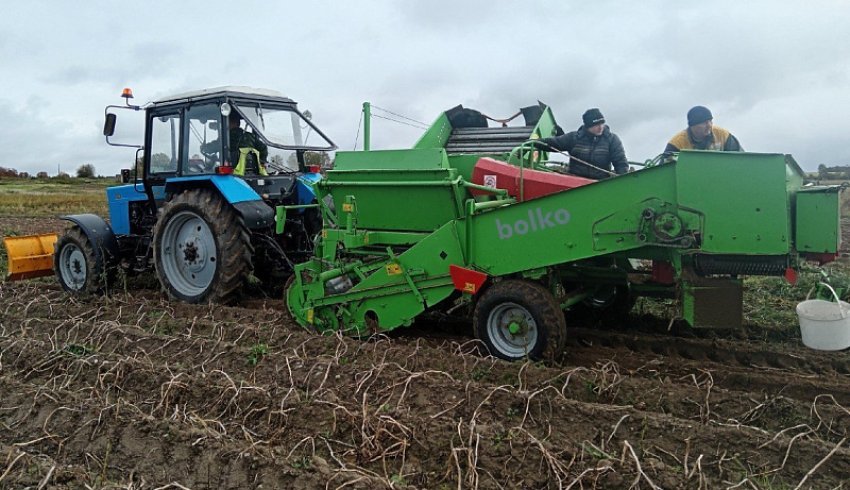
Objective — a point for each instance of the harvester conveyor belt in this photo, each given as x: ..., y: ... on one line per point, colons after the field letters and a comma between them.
x: 486, y: 140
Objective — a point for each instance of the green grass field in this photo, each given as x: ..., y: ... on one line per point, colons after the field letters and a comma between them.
x: 53, y: 197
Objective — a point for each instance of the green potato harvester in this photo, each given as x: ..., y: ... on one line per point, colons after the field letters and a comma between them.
x: 473, y: 218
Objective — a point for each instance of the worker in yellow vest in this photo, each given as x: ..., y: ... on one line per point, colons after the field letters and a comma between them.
x: 702, y: 134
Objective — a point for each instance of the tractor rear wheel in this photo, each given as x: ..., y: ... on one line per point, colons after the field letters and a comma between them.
x: 518, y: 319
x: 79, y: 269
x: 202, y: 248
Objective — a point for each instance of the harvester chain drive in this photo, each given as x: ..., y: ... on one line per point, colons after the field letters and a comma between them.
x: 702, y: 350
x: 763, y: 265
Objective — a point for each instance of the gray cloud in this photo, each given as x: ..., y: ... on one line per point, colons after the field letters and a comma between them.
x: 775, y: 74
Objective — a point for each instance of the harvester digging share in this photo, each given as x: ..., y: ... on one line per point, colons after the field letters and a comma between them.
x: 133, y: 390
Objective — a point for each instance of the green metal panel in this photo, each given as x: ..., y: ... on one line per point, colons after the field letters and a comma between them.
x: 793, y: 175
x: 426, y: 266
x: 464, y: 165
x: 561, y: 227
x: 437, y: 135
x: 743, y: 197
x: 391, y: 159
x: 545, y: 127
x: 400, y: 200
x: 817, y: 223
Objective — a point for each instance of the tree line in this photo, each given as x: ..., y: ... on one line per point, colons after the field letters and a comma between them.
x: 84, y: 171
x: 837, y: 172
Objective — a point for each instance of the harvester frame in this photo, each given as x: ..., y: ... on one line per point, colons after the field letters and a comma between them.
x: 460, y: 221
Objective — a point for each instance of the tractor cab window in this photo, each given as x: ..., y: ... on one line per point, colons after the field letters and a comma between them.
x: 284, y: 127
x: 165, y: 138
x: 285, y: 161
x: 203, y: 142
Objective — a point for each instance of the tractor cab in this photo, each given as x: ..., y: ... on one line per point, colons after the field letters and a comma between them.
x: 255, y: 134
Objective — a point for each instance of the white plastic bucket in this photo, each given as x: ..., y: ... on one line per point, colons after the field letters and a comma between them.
x: 824, y: 325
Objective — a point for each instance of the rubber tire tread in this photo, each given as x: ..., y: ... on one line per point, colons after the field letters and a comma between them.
x: 552, y: 327
x: 98, y: 279
x: 232, y: 239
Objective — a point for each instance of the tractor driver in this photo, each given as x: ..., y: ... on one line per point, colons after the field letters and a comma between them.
x: 247, y: 150
x: 702, y: 134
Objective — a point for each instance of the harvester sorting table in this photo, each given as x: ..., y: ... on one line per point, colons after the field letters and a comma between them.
x: 471, y: 218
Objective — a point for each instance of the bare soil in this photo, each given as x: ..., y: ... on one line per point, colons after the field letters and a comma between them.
x: 132, y: 391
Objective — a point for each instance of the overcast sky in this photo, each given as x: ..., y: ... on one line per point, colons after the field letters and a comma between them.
x: 776, y: 74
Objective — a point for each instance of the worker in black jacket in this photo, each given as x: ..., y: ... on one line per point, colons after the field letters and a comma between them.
x: 593, y: 146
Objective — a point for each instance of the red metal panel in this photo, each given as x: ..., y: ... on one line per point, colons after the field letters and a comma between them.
x: 466, y: 280
x: 494, y: 173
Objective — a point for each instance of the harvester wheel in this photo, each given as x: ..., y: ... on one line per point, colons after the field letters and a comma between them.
x: 517, y: 319
x: 202, y: 248
x: 79, y: 270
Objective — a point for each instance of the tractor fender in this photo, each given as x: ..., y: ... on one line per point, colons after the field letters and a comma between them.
x: 255, y: 212
x: 100, y: 234
x: 306, y: 187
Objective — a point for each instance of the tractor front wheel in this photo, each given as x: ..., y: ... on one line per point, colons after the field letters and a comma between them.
x: 202, y: 248
x: 79, y: 269
x: 517, y: 319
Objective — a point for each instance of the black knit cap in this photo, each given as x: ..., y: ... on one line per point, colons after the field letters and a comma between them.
x: 592, y: 117
x: 699, y: 114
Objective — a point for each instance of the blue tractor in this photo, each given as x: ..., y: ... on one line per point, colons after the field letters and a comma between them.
x: 204, y: 208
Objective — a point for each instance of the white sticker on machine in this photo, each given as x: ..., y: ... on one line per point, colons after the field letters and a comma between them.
x: 490, y: 180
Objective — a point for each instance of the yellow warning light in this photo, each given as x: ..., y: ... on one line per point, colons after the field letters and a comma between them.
x: 127, y: 93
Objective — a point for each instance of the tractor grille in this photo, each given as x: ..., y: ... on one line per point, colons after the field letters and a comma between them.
x: 486, y: 140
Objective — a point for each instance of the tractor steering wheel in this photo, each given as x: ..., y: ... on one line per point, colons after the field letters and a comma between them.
x: 212, y: 156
